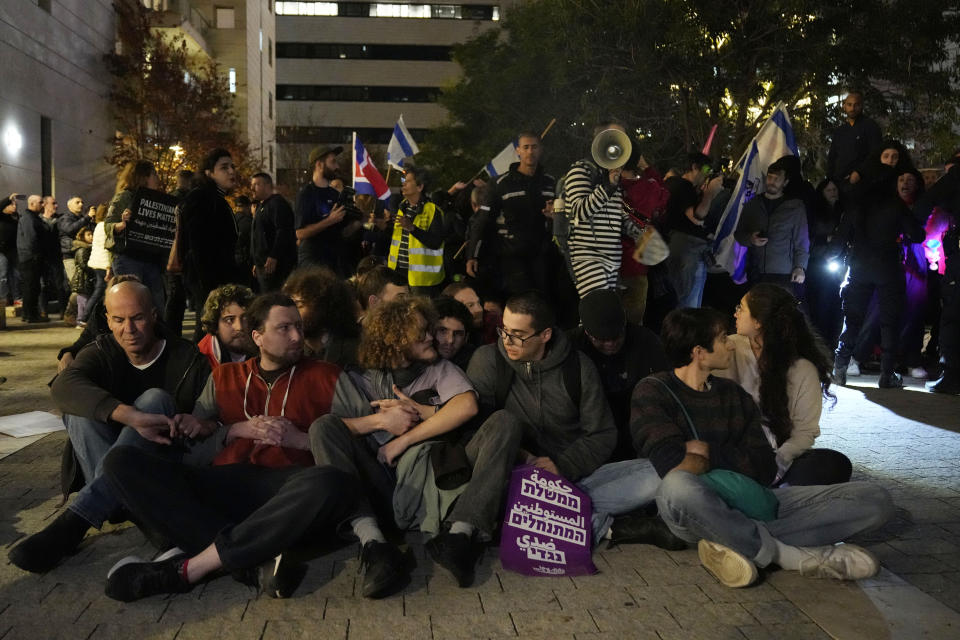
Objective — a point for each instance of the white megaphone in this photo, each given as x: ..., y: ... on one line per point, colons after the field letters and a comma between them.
x: 611, y: 148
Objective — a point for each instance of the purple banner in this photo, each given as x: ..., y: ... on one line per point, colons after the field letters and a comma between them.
x: 546, y: 527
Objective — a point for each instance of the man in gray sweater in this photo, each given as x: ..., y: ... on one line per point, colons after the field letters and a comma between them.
x: 533, y: 378
x: 773, y: 227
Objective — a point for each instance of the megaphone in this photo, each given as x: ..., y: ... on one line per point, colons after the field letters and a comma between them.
x: 611, y: 148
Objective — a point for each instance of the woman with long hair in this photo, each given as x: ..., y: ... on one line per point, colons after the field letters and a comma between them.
x: 785, y: 366
x: 124, y: 260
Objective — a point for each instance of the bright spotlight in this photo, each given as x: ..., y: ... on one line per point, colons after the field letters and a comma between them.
x: 12, y: 140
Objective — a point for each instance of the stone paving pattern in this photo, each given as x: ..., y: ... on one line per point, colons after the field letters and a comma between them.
x: 906, y: 440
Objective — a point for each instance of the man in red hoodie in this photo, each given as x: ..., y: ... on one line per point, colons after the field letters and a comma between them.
x: 228, y: 337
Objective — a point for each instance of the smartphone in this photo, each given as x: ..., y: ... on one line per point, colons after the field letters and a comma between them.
x: 21, y: 196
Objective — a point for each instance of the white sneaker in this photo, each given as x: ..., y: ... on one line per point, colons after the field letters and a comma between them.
x: 919, y: 372
x: 840, y: 562
x: 729, y: 567
x: 853, y: 369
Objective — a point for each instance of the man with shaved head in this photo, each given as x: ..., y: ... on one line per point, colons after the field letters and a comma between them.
x: 123, y: 388
x: 31, y: 231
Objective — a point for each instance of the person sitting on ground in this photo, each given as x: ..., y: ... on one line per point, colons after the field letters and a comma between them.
x: 485, y: 322
x: 418, y: 398
x: 451, y: 330
x: 96, y: 325
x: 786, y: 368
x: 262, y: 496
x: 534, y: 380
x: 329, y: 309
x: 228, y: 338
x: 124, y: 388
x: 379, y: 284
x: 689, y: 422
x: 623, y: 353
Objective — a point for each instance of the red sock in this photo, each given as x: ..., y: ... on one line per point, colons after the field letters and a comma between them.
x: 183, y: 571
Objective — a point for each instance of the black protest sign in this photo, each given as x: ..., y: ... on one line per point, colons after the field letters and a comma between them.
x: 152, y: 225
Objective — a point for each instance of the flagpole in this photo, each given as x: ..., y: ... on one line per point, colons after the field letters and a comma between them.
x: 353, y: 167
x: 549, y: 126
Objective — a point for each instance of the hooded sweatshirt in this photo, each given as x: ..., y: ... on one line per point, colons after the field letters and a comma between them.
x: 577, y: 439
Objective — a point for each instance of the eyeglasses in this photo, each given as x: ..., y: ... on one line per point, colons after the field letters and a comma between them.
x: 512, y: 339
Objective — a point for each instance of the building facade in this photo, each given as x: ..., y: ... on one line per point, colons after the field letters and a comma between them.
x: 55, y: 125
x: 240, y: 36
x: 357, y: 66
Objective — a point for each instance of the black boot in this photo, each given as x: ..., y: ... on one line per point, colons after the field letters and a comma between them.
x: 948, y: 382
x: 637, y: 528
x: 45, y: 549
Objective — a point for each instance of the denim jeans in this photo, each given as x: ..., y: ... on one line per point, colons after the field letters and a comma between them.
x: 808, y: 516
x: 91, y: 441
x: 618, y: 488
x: 688, y: 271
x: 150, y: 274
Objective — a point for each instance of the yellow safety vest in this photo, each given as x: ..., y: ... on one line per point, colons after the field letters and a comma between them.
x: 425, y: 265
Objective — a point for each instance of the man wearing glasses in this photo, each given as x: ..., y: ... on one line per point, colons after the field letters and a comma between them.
x: 535, y: 380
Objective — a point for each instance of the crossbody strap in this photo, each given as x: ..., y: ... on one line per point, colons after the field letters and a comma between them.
x: 693, y: 429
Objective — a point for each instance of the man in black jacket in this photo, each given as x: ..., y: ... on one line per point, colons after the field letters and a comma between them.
x: 208, y: 231
x: 852, y: 141
x: 133, y: 378
x: 273, y: 241
x: 520, y: 204
x: 31, y: 232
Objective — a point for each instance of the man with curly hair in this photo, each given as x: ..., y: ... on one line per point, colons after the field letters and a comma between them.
x: 395, y: 421
x: 328, y: 306
x: 228, y: 338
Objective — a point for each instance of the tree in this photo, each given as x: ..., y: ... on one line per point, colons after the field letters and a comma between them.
x: 169, y: 107
x: 671, y: 69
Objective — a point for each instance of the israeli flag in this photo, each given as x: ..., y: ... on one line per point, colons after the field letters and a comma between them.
x: 773, y: 141
x: 401, y: 145
x: 502, y: 161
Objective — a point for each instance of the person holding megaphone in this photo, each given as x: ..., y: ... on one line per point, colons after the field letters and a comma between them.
x: 591, y: 209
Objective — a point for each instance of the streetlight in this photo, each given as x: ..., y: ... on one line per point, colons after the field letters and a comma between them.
x: 12, y: 140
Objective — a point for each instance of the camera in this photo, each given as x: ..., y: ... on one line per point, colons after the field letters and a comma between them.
x: 347, y: 200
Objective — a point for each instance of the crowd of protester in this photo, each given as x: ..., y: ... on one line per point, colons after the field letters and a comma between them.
x: 360, y: 369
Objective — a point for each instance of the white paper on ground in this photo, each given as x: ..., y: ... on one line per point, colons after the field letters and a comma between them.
x: 31, y: 423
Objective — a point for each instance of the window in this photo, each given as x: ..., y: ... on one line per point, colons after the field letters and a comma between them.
x: 349, y: 93
x: 271, y: 159
x: 383, y: 10
x: 314, y: 135
x: 363, y: 51
x: 390, y: 10
x: 270, y: 105
x: 307, y: 9
x: 232, y: 79
x: 270, y: 51
x: 225, y: 18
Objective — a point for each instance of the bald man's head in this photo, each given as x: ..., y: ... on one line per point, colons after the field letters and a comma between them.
x: 132, y: 319
x: 34, y: 202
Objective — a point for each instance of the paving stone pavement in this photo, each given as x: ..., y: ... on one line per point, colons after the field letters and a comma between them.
x: 905, y: 440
